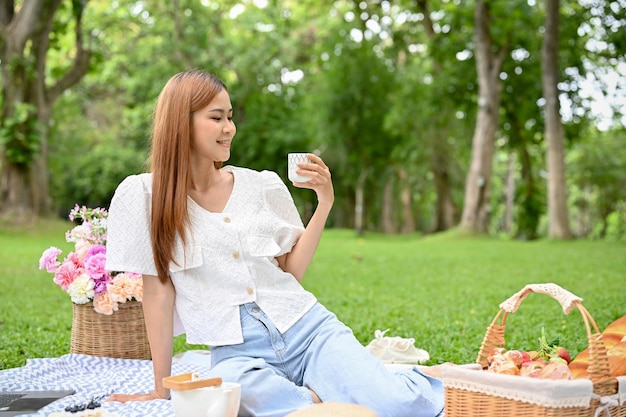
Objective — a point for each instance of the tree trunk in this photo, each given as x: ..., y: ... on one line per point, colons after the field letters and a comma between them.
x: 509, y: 193
x: 558, y: 216
x: 27, y: 100
x: 408, y: 222
x: 25, y: 185
x: 529, y: 204
x: 445, y: 211
x: 478, y: 183
x: 387, y: 209
x: 358, y: 204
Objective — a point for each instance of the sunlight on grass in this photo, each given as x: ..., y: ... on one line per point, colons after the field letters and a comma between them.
x: 443, y: 290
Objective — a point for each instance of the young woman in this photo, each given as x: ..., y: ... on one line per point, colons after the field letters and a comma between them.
x: 222, y: 251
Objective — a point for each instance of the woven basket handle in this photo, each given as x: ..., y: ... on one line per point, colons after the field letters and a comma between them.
x: 564, y: 297
x: 598, y: 360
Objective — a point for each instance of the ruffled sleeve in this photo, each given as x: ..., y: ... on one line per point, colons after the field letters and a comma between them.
x: 129, y: 245
x: 279, y: 202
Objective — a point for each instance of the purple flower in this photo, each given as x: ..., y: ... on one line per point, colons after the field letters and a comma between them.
x: 101, y: 284
x: 95, y: 250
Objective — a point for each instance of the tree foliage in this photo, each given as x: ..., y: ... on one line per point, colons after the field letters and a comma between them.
x: 386, y: 91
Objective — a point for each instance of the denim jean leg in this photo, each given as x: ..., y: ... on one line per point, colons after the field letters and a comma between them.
x: 257, y: 364
x: 339, y: 368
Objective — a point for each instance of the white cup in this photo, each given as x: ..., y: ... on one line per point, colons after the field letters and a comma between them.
x: 293, y: 159
x: 218, y: 401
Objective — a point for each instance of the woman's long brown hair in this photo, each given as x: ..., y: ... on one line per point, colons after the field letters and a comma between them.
x: 171, y: 145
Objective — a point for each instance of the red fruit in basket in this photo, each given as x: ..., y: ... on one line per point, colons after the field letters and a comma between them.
x: 555, y: 370
x: 532, y: 368
x: 514, y: 356
x: 563, y: 353
x: 525, y: 357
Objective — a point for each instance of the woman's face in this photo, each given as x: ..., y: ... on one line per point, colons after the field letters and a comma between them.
x: 214, y: 129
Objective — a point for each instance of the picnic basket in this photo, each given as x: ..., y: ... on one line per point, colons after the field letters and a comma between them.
x: 119, y: 335
x: 473, y: 393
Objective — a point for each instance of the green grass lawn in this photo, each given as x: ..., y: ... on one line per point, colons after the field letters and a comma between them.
x: 442, y: 290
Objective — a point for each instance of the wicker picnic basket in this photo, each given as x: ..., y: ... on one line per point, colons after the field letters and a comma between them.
x: 120, y: 335
x: 474, y: 393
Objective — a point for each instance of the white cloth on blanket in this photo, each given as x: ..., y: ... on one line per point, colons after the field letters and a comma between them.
x: 94, y: 377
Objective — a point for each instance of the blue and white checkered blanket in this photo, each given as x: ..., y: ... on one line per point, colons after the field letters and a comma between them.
x: 94, y: 377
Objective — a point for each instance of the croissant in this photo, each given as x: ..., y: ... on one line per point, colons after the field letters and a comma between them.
x: 616, y: 351
x: 617, y: 358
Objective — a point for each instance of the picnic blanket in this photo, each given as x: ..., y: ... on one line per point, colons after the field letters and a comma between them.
x: 96, y: 377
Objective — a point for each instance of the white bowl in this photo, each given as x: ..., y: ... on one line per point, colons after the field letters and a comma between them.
x: 218, y: 401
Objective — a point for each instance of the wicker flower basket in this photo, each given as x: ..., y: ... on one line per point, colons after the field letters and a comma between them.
x: 474, y: 393
x: 120, y: 335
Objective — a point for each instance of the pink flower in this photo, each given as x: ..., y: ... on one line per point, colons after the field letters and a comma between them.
x: 75, y: 258
x: 66, y: 274
x: 49, y: 260
x: 95, y: 260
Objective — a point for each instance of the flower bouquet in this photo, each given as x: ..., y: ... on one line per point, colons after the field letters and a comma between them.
x: 82, y: 273
x: 114, y: 326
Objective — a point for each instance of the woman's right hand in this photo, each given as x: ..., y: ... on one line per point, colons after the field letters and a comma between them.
x: 122, y: 398
x: 158, y: 311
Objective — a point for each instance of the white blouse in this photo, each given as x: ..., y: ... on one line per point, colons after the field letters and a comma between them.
x: 229, y: 259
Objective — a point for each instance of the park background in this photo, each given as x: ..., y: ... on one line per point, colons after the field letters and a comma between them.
x: 475, y: 147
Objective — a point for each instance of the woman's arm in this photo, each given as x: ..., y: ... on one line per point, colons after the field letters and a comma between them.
x: 158, y: 310
x: 297, y: 261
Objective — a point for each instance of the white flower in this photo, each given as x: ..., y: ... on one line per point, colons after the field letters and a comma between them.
x: 81, y: 290
x: 78, y: 233
x: 81, y: 248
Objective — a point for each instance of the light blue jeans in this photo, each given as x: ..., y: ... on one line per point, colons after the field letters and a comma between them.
x: 319, y: 353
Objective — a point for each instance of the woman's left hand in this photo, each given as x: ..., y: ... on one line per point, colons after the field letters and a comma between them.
x: 320, y: 181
